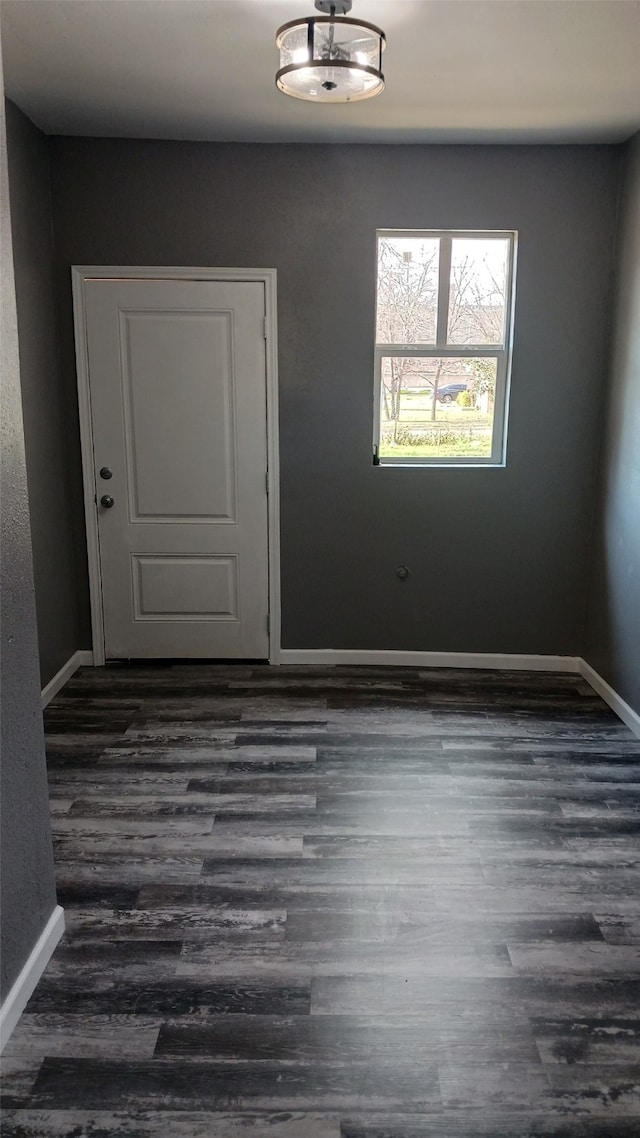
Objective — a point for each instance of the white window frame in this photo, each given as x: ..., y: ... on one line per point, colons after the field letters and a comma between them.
x: 501, y: 352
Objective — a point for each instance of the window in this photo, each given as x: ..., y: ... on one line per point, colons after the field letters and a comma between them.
x: 444, y: 304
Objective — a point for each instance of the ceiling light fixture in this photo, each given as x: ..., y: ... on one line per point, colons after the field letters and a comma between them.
x: 330, y: 59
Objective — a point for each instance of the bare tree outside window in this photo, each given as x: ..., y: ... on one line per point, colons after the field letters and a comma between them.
x: 477, y: 292
x: 443, y: 306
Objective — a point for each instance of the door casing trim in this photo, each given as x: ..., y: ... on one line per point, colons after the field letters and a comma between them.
x: 266, y: 277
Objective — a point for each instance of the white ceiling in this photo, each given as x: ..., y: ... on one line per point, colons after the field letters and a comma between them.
x: 457, y: 70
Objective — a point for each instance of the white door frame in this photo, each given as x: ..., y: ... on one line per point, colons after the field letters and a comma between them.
x: 267, y: 277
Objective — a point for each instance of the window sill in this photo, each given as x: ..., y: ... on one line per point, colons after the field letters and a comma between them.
x: 408, y: 465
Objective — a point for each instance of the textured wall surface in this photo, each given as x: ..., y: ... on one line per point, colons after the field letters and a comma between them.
x: 498, y: 557
x: 28, y: 891
x: 613, y: 628
x: 44, y: 430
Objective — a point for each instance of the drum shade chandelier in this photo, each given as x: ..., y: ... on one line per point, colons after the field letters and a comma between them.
x: 329, y: 58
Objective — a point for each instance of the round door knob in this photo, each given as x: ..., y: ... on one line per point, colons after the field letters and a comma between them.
x: 107, y: 501
x: 106, y: 472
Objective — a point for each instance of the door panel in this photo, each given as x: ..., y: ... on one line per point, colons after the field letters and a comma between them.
x: 178, y: 404
x: 172, y: 588
x: 181, y: 452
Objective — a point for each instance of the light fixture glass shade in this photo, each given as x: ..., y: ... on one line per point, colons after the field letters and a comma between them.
x: 328, y: 59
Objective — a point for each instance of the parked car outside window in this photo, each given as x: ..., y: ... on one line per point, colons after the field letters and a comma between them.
x: 450, y: 392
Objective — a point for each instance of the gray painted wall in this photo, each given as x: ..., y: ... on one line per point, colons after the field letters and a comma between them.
x: 28, y: 890
x: 498, y: 557
x: 45, y: 439
x: 613, y: 627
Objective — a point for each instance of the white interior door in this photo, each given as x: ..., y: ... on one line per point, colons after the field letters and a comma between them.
x: 178, y: 409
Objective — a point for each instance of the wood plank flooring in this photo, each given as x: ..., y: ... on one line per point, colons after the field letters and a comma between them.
x: 336, y: 903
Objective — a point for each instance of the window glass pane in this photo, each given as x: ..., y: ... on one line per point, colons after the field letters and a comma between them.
x: 436, y: 407
x: 478, y: 288
x: 407, y: 298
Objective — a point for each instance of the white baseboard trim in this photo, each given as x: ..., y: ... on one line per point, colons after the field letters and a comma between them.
x: 505, y: 661
x: 615, y: 701
x: 25, y: 985
x: 78, y: 660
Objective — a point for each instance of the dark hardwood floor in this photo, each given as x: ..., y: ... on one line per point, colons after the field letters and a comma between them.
x: 336, y: 903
